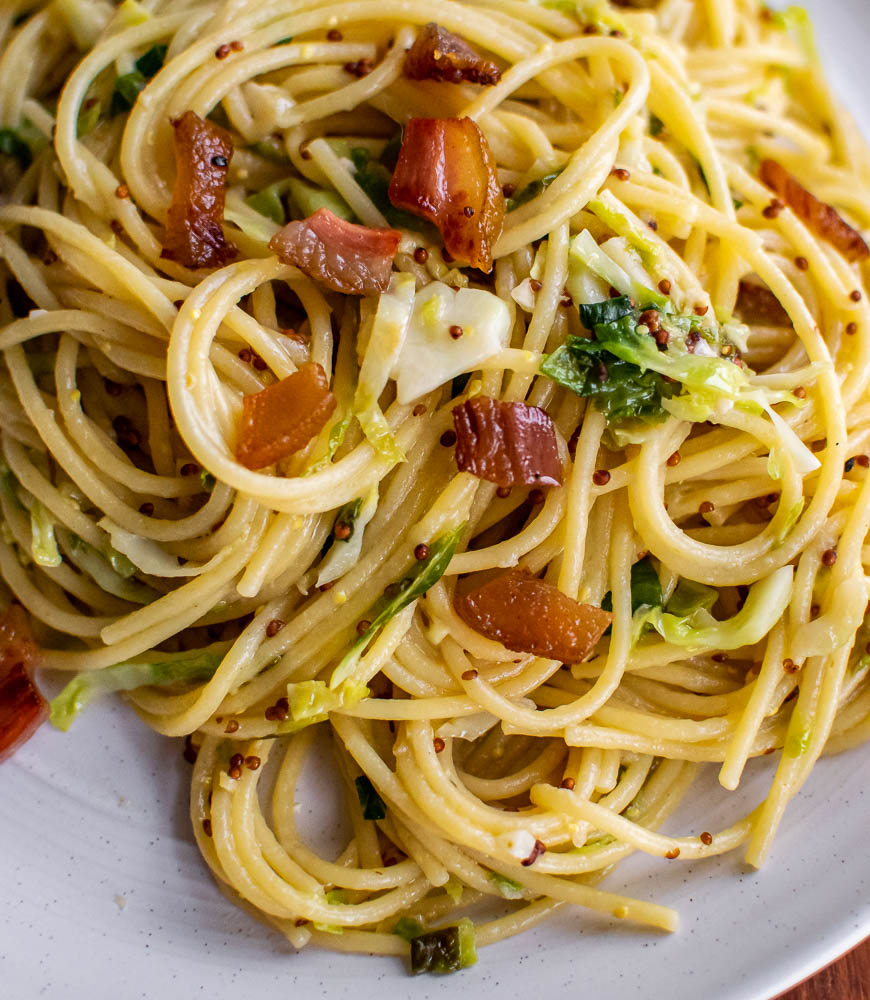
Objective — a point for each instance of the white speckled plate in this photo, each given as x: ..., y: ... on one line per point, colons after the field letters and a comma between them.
x: 105, y: 896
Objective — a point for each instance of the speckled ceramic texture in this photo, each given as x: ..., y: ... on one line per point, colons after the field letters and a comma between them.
x: 105, y: 896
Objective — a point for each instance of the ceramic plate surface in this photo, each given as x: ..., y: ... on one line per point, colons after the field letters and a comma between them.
x: 105, y: 896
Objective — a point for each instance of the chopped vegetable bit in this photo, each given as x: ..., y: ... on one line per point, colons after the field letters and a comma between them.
x: 22, y: 707
x: 408, y: 928
x: 371, y: 803
x: 510, y: 444
x: 194, y: 232
x: 432, y: 355
x: 531, y: 190
x: 424, y: 574
x: 356, y: 260
x: 284, y: 417
x: 446, y: 950
x: 528, y: 615
x: 446, y: 173
x: 158, y: 670
x: 438, y: 54
x: 823, y: 219
x: 646, y: 588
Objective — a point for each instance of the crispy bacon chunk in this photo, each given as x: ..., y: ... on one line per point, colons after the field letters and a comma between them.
x: 438, y: 54
x: 510, y: 444
x: 446, y: 174
x: 194, y: 231
x: 758, y: 306
x: 356, y: 260
x: 284, y: 417
x: 22, y: 707
x: 528, y: 615
x: 823, y: 219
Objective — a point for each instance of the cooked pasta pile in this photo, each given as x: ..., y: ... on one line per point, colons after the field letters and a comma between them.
x: 693, y: 321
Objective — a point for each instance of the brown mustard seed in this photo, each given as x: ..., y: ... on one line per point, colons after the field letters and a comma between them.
x: 863, y: 461
x: 304, y: 153
x: 537, y: 851
x: 341, y: 531
x: 455, y: 331
x: 326, y: 586
x: 363, y: 626
x: 206, y: 827
x: 438, y: 744
x: 469, y: 675
x: 259, y: 363
x: 252, y: 762
x: 701, y: 310
x: 235, y: 773
x: 851, y: 329
x: 232, y: 726
x: 421, y: 255
x: 774, y: 209
x: 800, y: 392
x: 856, y: 296
x: 419, y: 410
x: 567, y: 783
x: 707, y: 507
x: 789, y: 666
x: 601, y: 477
x: 621, y: 174
x: 122, y: 191
x: 237, y: 760
x: 818, y: 445
x: 147, y: 508
x: 448, y: 439
x: 829, y: 557
x: 707, y: 839
x: 508, y: 190
x: 468, y: 212
x: 222, y: 51
x: 673, y: 853
x: 536, y: 497
x: 665, y: 286
x: 675, y: 459
x: 421, y: 551
x: 535, y: 285
x: 190, y: 469
x: 274, y: 627
x: 246, y: 355
x: 360, y: 68
x: 503, y: 492
x: 801, y: 263
x: 334, y: 35
x: 237, y: 46
x: 271, y: 714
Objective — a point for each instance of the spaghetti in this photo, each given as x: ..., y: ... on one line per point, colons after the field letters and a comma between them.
x: 691, y: 329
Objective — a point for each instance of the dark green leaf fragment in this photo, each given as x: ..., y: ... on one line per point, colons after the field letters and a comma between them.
x: 151, y: 62
x: 127, y: 89
x: 11, y: 144
x: 371, y: 803
x: 530, y: 191
x: 446, y: 950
